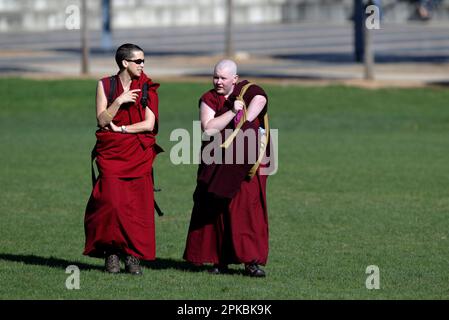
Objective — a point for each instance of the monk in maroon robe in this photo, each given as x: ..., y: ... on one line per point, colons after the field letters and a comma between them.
x: 229, y: 223
x: 119, y: 218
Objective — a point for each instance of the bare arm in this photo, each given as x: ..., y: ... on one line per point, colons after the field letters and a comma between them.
x: 142, y: 126
x: 105, y: 114
x: 212, y: 125
x: 255, y: 107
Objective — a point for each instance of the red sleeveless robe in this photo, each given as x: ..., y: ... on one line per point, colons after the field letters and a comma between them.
x: 120, y: 211
x: 229, y: 224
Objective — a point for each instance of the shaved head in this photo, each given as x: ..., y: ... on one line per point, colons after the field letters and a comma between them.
x: 225, y: 77
x: 226, y: 65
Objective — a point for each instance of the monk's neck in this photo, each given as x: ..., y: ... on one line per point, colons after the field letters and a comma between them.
x: 229, y: 93
x: 125, y: 78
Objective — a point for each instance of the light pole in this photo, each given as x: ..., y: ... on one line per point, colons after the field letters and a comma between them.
x: 106, y: 37
x: 363, y: 50
x: 84, y: 39
x: 229, y: 48
x: 368, y: 56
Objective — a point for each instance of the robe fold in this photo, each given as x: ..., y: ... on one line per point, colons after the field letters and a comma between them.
x: 120, y: 212
x: 229, y: 222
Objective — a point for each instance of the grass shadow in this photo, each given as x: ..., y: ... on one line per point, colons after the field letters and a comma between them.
x: 49, y: 262
x: 158, y: 264
x: 163, y: 264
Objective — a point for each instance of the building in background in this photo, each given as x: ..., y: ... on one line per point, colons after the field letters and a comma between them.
x: 46, y: 15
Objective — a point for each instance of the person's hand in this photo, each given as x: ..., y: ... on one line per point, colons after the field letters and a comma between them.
x: 129, y: 96
x: 238, y: 105
x: 114, y: 127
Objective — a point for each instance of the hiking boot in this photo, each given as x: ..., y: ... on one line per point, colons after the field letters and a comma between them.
x: 112, y: 263
x: 132, y: 265
x: 253, y: 270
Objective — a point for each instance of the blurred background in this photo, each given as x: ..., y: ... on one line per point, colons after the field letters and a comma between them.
x: 285, y: 40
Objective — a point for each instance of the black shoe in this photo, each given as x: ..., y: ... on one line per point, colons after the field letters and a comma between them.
x: 112, y: 263
x: 132, y: 265
x: 253, y: 270
x: 218, y: 269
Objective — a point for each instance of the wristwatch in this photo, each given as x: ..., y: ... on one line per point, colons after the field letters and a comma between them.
x: 123, y: 129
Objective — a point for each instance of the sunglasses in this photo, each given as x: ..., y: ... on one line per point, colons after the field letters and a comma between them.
x: 137, y: 61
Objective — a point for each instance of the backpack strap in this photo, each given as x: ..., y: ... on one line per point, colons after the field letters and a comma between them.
x: 93, y: 156
x: 156, y: 207
x: 144, y: 98
x: 144, y: 104
x: 112, y: 84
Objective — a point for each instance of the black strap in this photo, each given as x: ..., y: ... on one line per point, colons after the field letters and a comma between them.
x: 144, y: 103
x: 156, y: 207
x: 158, y: 210
x: 144, y: 99
x: 92, y: 159
x: 112, y: 85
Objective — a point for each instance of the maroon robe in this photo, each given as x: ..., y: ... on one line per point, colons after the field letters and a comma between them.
x: 120, y: 212
x: 229, y: 222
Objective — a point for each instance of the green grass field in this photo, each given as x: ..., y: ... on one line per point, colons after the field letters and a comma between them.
x: 363, y: 180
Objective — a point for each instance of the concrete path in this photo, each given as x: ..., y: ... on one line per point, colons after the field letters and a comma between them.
x: 413, y: 54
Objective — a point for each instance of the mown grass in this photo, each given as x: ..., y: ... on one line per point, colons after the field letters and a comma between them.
x: 362, y: 180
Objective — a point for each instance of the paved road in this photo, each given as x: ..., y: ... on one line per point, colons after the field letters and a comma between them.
x: 415, y: 51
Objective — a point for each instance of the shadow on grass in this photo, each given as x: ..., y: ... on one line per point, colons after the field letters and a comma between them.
x: 162, y: 264
x: 50, y: 262
x: 158, y: 264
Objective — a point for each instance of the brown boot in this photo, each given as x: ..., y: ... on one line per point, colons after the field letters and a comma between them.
x: 132, y: 265
x: 112, y: 263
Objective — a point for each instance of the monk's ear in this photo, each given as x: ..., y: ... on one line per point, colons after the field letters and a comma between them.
x: 236, y: 78
x: 125, y: 64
